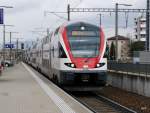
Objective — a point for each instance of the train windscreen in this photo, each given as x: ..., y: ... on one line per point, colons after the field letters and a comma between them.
x: 84, y: 40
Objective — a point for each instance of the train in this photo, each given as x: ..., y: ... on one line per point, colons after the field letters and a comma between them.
x: 72, y: 55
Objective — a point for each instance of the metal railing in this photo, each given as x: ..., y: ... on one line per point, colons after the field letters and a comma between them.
x: 139, y: 69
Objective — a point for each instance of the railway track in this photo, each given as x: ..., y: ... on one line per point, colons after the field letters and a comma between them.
x: 100, y: 104
x: 97, y: 103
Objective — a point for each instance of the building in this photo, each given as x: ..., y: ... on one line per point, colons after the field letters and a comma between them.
x: 123, y: 46
x: 142, y: 57
x: 11, y: 55
x: 140, y: 28
x: 14, y: 53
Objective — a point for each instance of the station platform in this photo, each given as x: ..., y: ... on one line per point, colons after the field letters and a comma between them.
x: 23, y: 90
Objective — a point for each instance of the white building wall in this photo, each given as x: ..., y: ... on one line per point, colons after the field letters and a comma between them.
x: 140, y: 29
x: 119, y: 49
x: 122, y: 53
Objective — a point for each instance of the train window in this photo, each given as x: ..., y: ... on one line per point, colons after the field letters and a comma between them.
x: 62, y: 53
x: 53, y: 51
x: 84, y: 42
x: 56, y: 32
x: 45, y: 63
x: 51, y: 34
x: 40, y: 53
x: 47, y: 39
x: 37, y: 53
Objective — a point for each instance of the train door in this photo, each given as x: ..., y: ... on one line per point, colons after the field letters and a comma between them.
x: 51, y: 55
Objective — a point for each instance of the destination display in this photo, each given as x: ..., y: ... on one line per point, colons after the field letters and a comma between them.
x: 9, y: 45
x: 84, y: 33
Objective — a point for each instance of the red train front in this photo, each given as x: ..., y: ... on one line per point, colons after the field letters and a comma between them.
x: 81, y: 50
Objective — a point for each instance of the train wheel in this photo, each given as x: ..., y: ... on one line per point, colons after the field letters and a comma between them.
x: 37, y: 68
x: 40, y: 70
x: 6, y: 64
x: 55, y: 79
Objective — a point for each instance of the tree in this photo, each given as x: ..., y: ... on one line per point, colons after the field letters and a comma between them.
x: 112, y: 52
x: 106, y: 55
x: 137, y: 46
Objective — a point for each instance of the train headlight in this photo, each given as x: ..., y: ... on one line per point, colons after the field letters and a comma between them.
x: 82, y: 28
x: 100, y: 65
x: 70, y: 65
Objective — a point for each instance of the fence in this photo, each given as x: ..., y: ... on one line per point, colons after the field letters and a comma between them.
x: 140, y: 69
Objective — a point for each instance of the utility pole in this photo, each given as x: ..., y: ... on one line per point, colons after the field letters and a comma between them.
x: 100, y: 19
x: 116, y: 30
x: 17, y: 50
x: 68, y: 11
x: 116, y: 27
x: 4, y: 44
x: 147, y: 43
x: 10, y: 47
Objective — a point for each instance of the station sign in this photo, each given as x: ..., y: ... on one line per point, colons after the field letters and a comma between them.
x: 9, y: 45
x: 1, y: 16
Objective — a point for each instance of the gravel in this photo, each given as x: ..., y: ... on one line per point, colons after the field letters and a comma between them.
x: 133, y: 101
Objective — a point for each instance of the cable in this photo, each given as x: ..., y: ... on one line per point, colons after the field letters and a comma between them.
x: 61, y: 17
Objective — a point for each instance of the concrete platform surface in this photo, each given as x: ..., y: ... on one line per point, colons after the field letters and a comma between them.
x: 23, y: 90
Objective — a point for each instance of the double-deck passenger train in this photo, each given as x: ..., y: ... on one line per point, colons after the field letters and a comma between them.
x: 72, y: 55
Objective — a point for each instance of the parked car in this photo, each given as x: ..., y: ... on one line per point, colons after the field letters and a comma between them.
x: 1, y: 68
x: 7, y: 63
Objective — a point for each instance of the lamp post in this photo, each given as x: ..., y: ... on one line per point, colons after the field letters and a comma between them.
x: 6, y: 7
x: 116, y: 26
x: 4, y: 34
x: 17, y: 49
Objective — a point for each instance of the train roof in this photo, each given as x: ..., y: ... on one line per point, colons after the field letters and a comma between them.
x: 77, y: 22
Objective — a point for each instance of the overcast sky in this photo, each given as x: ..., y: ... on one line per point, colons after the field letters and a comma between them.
x: 28, y: 15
